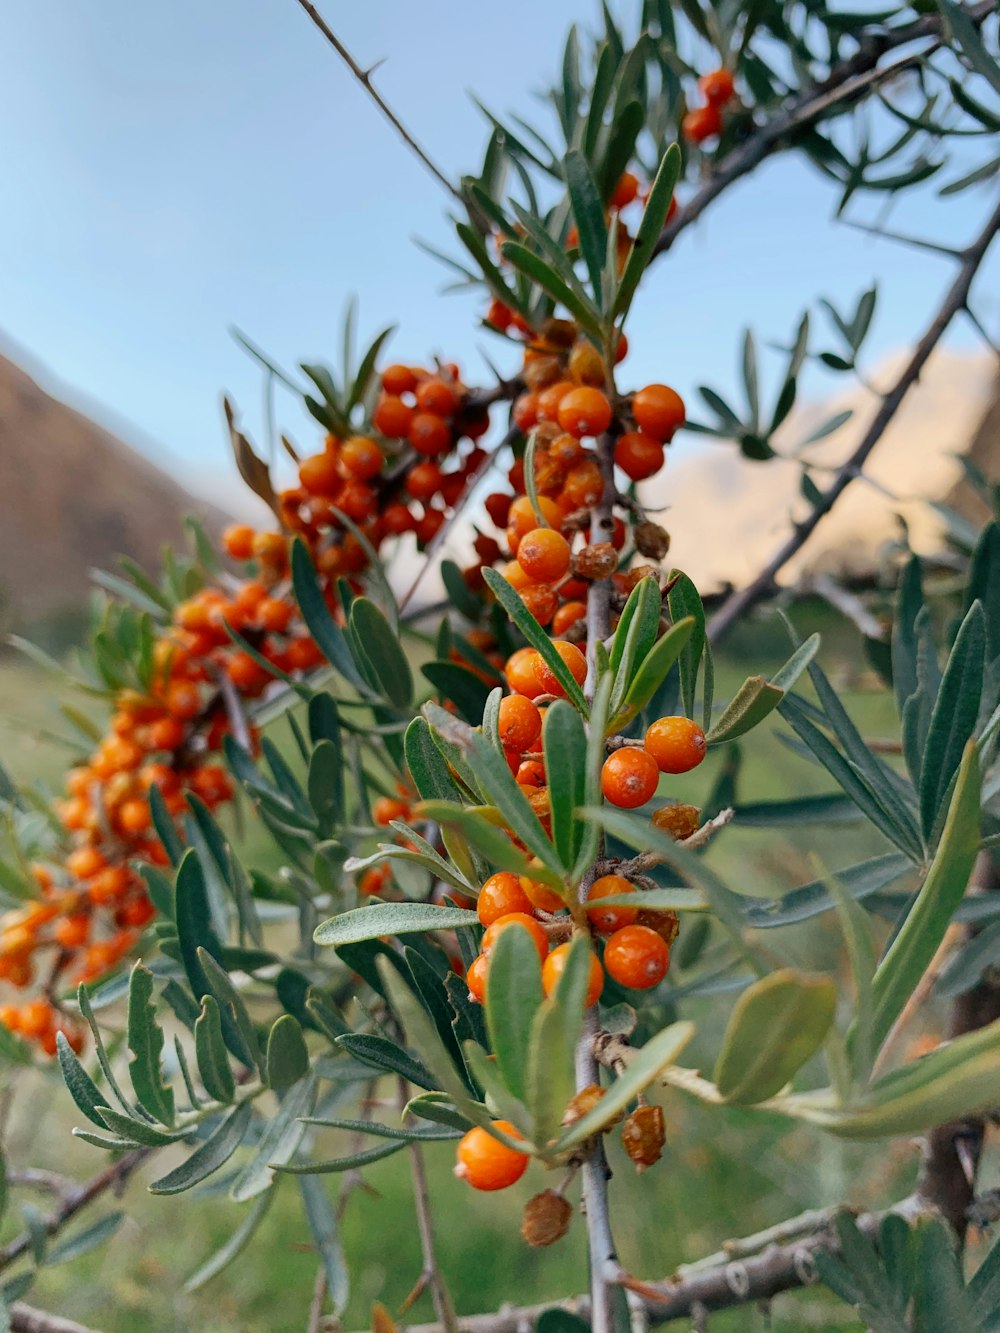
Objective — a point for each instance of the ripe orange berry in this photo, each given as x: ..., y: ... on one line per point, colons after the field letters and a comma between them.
x: 108, y: 886
x: 605, y: 920
x: 541, y: 897
x: 522, y: 920
x: 716, y: 86
x: 629, y: 777
x: 238, y: 541
x: 551, y: 397
x: 531, y: 773
x: 520, y: 723
x: 430, y: 434
x: 501, y: 895
x: 522, y: 519
x: 246, y: 673
x: 521, y: 674
x: 625, y: 191
x: 540, y: 601
x: 319, y: 475
x: 573, y: 659
x: 636, y: 957
x: 393, y: 417
x: 676, y: 744
x: 586, y: 364
x: 387, y: 808
x: 702, y: 123
x: 183, y: 699
x: 360, y: 458
x: 544, y: 555
x: 398, y: 379
x: 274, y: 615
x: 568, y: 614
x: 436, y: 395
x: 133, y: 816
x: 499, y: 315
x: 84, y: 862
x: 475, y: 978
x: 423, y: 481
x: 555, y: 966
x: 72, y: 932
x: 584, y: 485
x: 488, y: 1164
x: 585, y: 411
x: 639, y: 456
x: 658, y: 411
x: 37, y: 1016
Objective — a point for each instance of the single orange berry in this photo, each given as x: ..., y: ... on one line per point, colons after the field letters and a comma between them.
x: 274, y: 614
x: 398, y: 379
x: 387, y: 808
x: 393, y: 417
x: 658, y: 411
x: 501, y: 895
x: 629, y: 777
x: 572, y: 658
x: 520, y: 723
x: 676, y: 744
x: 585, y: 411
x: 608, y: 919
x: 360, y: 458
x: 436, y: 395
x: 586, y: 364
x: 238, y: 541
x: 704, y: 122
x: 430, y: 434
x: 540, y: 601
x: 639, y: 456
x: 717, y: 86
x: 637, y: 957
x: 134, y: 816
x: 531, y: 773
x: 625, y: 191
x: 423, y: 481
x: 544, y: 555
x: 521, y: 674
x: 568, y: 614
x: 475, y: 978
x: 499, y: 315
x: 319, y: 475
x: 84, y: 862
x: 540, y: 896
x: 522, y: 920
x: 555, y: 966
x: 183, y: 699
x: 488, y: 1164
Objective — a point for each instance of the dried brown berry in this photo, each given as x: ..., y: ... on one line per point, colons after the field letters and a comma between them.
x: 596, y: 562
x: 651, y: 540
x: 680, y: 821
x: 643, y: 1136
x: 541, y: 371
x: 666, y: 924
x: 636, y: 575
x: 585, y: 1100
x: 559, y: 332
x: 546, y: 1219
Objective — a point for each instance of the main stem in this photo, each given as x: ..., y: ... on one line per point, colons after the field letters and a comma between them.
x: 595, y: 1172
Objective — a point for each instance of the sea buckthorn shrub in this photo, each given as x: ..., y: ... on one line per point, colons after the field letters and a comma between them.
x: 488, y: 889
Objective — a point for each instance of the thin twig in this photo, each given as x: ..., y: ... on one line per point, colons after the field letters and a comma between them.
x: 364, y: 77
x: 27, y: 1319
x: 432, y: 1275
x: 315, y: 1320
x: 736, y: 605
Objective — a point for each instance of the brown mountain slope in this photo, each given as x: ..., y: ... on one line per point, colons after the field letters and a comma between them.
x: 72, y: 497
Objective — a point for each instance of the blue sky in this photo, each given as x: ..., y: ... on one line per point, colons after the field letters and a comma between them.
x: 173, y: 170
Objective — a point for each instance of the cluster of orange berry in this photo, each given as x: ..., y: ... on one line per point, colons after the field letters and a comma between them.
x: 705, y: 122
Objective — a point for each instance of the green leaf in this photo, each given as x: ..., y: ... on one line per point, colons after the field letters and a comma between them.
x: 966, y: 35
x: 536, y: 636
x: 209, y: 1156
x: 328, y: 635
x: 965, y: 968
x: 428, y: 767
x: 564, y: 743
x: 634, y: 637
x: 80, y: 1242
x: 954, y: 718
x: 237, y: 1025
x: 513, y: 995
x: 233, y: 1247
x: 939, y: 1299
x: 382, y: 650
x: 145, y: 1041
x: 324, y: 1228
x: 371, y: 923
x: 549, y: 1084
x: 752, y: 703
x: 588, y: 214
x: 653, y: 671
x: 82, y: 1087
x: 462, y: 686
x: 648, y: 233
x: 380, y: 1053
x: 287, y: 1053
x: 326, y: 785
x: 923, y: 930
x: 278, y: 1143
x: 211, y: 1054
x: 406, y: 1133
x: 545, y: 275
x: 776, y: 1025
x: 683, y: 601
x: 646, y: 1064
x: 494, y: 844
x: 786, y: 676
x: 133, y: 1130
x: 333, y: 1165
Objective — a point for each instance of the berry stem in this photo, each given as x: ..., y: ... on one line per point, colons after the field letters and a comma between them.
x: 432, y: 1276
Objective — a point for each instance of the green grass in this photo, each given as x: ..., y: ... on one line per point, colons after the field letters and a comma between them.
x: 724, y: 1174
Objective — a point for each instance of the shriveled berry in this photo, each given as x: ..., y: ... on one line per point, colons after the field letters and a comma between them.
x: 679, y: 821
x: 597, y: 561
x: 546, y: 1219
x: 643, y: 1136
x: 583, y: 1101
x: 651, y: 540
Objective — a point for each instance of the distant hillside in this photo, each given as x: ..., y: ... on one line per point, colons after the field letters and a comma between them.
x: 72, y: 497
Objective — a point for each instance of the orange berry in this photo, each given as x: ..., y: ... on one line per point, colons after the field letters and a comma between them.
x: 246, y: 673
x: 658, y: 411
x: 398, y: 379
x: 501, y: 895
x: 550, y: 399
x: 521, y: 674
x: 540, y: 601
x: 586, y: 364
x: 393, y: 417
x: 704, y: 122
x: 475, y: 978
x: 639, y: 456
x: 636, y: 957
x: 319, y: 475
x: 429, y: 525
x: 387, y: 808
x: 625, y: 191
x: 676, y: 744
x: 423, y: 481
x: 555, y: 966
x: 133, y: 816
x: 360, y: 458
x: 573, y: 659
x: 540, y: 896
x: 84, y: 862
x: 488, y: 1164
x: 37, y: 1016
x: 430, y: 434
x: 584, y: 485
x: 605, y: 920
x: 237, y: 540
x: 499, y: 315
x: 568, y: 614
x: 436, y: 395
x: 274, y: 615
x: 522, y: 519
x: 629, y: 777
x: 544, y: 555
x: 520, y: 723
x: 108, y: 886
x: 716, y: 86
x: 531, y: 773
x: 525, y: 411
x: 585, y: 411
x: 183, y: 699
x: 522, y: 920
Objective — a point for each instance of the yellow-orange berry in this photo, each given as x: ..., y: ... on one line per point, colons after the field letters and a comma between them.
x: 676, y: 744
x: 585, y: 410
x: 555, y: 966
x: 629, y: 777
x: 488, y: 1164
x: 475, y: 978
x: 636, y: 957
x: 573, y: 659
x: 543, y: 554
x: 608, y: 919
x: 658, y: 411
x: 500, y: 896
x: 520, y: 723
x: 541, y: 897
x: 521, y: 674
x: 516, y: 919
